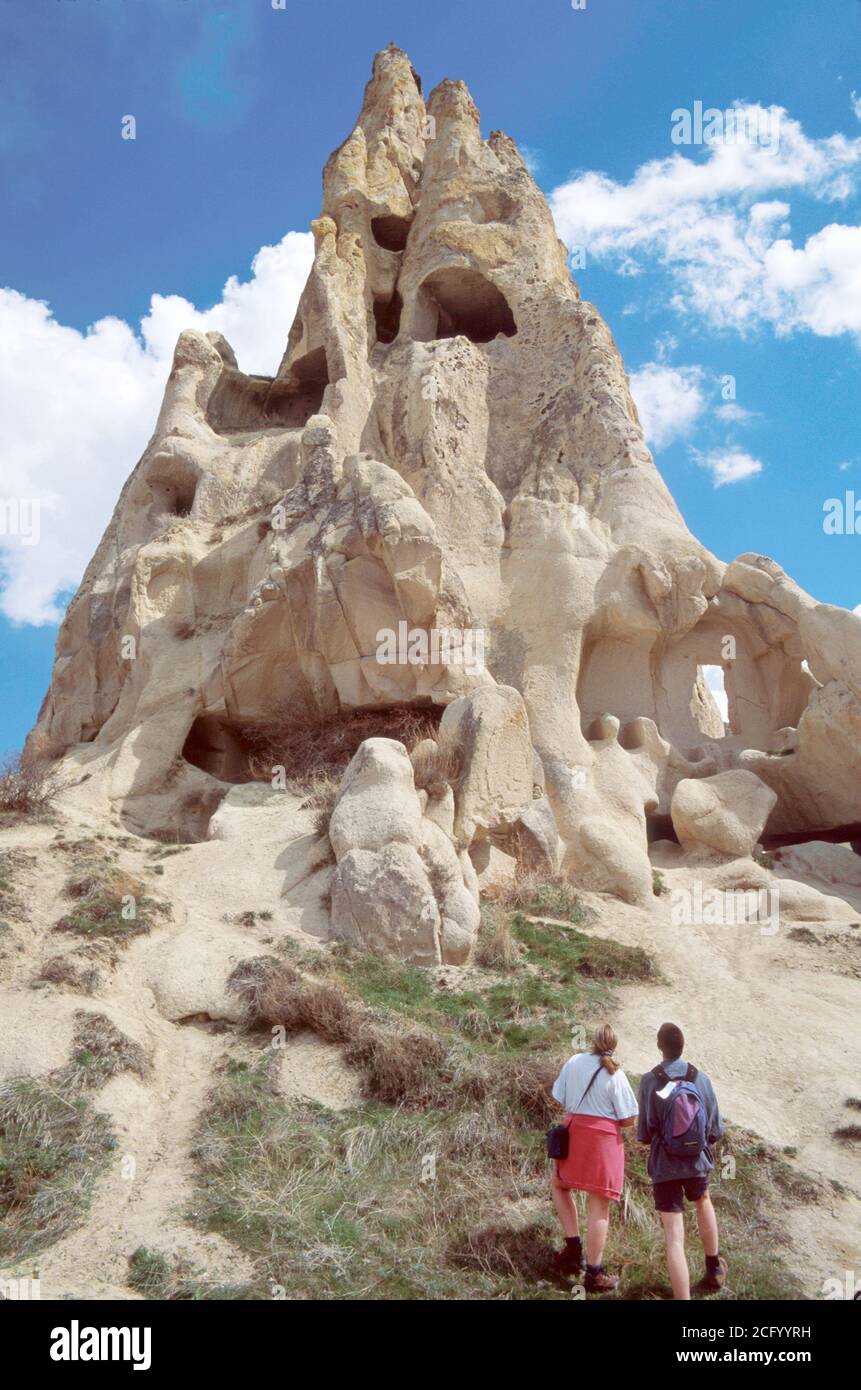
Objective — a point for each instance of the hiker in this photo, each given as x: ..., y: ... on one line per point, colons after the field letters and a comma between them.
x: 680, y: 1120
x: 598, y: 1102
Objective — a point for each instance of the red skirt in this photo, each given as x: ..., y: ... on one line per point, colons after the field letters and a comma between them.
x: 596, y: 1157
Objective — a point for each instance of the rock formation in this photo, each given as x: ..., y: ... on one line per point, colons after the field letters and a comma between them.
x: 449, y: 446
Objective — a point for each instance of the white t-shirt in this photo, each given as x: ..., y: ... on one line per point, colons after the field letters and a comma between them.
x: 609, y: 1096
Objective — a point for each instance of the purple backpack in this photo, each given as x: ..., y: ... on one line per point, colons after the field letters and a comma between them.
x: 682, y: 1115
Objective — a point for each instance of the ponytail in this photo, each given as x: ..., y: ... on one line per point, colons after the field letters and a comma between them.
x: 604, y: 1043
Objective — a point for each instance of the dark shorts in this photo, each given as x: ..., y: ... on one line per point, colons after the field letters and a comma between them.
x: 669, y: 1196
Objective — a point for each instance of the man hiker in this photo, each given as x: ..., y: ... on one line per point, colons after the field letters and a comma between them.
x: 680, y: 1121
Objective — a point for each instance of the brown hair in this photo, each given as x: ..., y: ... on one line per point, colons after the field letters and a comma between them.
x: 604, y: 1042
x: 671, y: 1041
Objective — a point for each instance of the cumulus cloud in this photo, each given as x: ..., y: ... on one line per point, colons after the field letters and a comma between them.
x: 727, y: 465
x: 715, y: 222
x: 669, y: 400
x: 78, y: 409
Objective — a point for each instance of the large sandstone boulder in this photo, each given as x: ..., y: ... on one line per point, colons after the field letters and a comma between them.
x: 491, y: 730
x: 399, y: 886
x: 725, y: 813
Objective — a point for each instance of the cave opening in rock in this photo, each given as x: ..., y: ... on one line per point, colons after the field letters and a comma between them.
x: 218, y: 748
x: 460, y: 300
x: 241, y: 402
x: 387, y: 317
x: 172, y: 489
x: 391, y: 232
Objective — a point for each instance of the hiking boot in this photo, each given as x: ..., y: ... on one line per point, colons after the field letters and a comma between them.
x: 568, y: 1261
x: 716, y: 1278
x: 600, y: 1282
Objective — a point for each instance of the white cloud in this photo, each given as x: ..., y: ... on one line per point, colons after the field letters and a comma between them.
x: 728, y: 465
x: 531, y: 158
x: 857, y: 609
x: 715, y: 681
x: 669, y: 400
x: 732, y: 413
x: 78, y: 409
x: 712, y: 219
x: 855, y: 103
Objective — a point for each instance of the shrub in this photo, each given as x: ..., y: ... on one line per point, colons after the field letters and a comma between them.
x: 28, y: 788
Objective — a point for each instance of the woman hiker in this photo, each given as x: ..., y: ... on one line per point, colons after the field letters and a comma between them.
x: 598, y: 1102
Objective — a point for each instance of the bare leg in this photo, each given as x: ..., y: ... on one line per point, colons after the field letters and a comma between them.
x: 707, y: 1225
x: 674, y: 1231
x: 563, y: 1201
x: 599, y: 1221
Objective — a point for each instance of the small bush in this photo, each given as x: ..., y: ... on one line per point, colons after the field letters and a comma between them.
x: 658, y: 883
x: 28, y: 788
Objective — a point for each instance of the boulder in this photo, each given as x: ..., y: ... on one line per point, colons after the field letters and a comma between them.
x: 725, y: 813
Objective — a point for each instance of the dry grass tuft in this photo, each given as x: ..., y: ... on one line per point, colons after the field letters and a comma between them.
x: 437, y: 764
x: 495, y: 947
x: 318, y: 746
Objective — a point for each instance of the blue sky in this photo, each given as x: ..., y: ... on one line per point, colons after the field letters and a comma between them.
x: 743, y: 264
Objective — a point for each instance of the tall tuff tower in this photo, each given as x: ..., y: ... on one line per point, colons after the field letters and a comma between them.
x: 449, y: 443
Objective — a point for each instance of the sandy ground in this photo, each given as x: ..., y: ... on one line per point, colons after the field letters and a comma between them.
x: 772, y: 1018
x: 775, y: 1023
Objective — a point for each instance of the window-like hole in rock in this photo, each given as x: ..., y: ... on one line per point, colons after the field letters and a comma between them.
x: 172, y: 486
x: 465, y: 302
x: 172, y: 497
x: 387, y: 317
x: 241, y: 402
x: 391, y: 232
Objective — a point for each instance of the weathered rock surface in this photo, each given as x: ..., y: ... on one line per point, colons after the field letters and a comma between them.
x: 449, y: 446
x: 725, y: 813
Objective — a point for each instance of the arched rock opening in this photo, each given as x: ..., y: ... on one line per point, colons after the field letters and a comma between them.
x: 241, y: 402
x: 391, y: 232
x: 460, y: 300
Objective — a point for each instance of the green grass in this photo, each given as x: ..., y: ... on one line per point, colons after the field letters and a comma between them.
x: 563, y: 976
x: 54, y: 1144
x: 159, y: 1277
x: 442, y: 1192
x: 383, y: 1203
x: 53, y: 1147
x: 107, y: 902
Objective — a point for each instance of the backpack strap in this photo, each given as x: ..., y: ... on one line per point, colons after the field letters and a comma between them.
x: 690, y: 1075
x: 589, y: 1087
